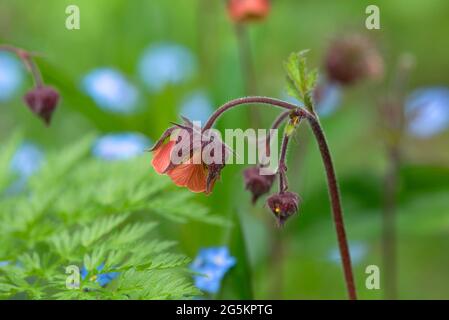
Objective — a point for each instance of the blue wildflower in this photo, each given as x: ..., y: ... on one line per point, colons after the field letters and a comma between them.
x: 357, y: 250
x: 120, y: 146
x: 166, y: 63
x: 196, y: 107
x: 427, y: 111
x: 110, y: 90
x: 11, y: 75
x: 211, y: 264
x: 101, y: 278
x: 327, y: 98
x: 27, y: 160
x: 4, y: 263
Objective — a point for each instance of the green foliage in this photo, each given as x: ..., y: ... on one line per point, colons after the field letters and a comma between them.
x: 300, y: 81
x: 85, y: 212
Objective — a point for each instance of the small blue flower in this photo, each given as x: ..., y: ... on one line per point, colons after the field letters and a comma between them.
x: 27, y: 160
x: 328, y: 98
x: 11, y: 75
x: 102, y: 278
x: 211, y: 264
x: 110, y: 90
x: 166, y: 63
x: 196, y: 107
x: 120, y: 146
x: 357, y: 250
x: 427, y: 111
x: 4, y: 263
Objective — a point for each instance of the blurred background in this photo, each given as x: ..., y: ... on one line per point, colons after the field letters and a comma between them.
x: 134, y: 66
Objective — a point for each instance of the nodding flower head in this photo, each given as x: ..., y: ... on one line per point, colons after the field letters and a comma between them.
x: 190, y: 157
x: 353, y: 58
x: 283, y: 205
x: 256, y: 183
x: 42, y: 100
x: 248, y: 10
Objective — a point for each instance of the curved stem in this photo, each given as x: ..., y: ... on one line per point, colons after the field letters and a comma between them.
x: 283, y: 184
x: 26, y: 58
x: 274, y: 126
x: 334, y: 191
x: 246, y: 100
x: 334, y: 194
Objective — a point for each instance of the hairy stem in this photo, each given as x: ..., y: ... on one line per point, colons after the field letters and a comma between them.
x: 275, y: 126
x: 334, y: 192
x: 283, y: 183
x: 246, y: 100
x: 26, y: 58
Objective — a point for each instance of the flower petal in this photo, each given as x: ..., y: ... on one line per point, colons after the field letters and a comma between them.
x: 161, y: 157
x: 192, y: 176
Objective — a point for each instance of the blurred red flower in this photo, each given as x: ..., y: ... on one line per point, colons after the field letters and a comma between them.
x: 248, y: 10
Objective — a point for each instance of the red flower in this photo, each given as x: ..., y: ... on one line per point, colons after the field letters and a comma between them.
x: 248, y: 10
x: 189, y: 170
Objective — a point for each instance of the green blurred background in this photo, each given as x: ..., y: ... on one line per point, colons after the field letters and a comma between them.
x: 114, y: 33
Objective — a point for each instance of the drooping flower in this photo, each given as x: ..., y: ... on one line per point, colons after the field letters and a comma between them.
x: 256, y: 183
x: 180, y: 153
x: 283, y: 205
x: 352, y: 58
x: 101, y: 278
x: 120, y: 146
x: 248, y: 10
x: 42, y: 100
x: 110, y: 90
x: 427, y: 111
x: 11, y: 75
x: 196, y: 107
x: 163, y: 64
x: 212, y: 264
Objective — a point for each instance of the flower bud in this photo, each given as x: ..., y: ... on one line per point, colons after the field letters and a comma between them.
x: 283, y: 205
x: 248, y: 10
x: 353, y: 58
x: 256, y: 183
x: 42, y: 100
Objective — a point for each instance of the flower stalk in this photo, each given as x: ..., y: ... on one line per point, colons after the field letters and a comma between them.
x: 42, y: 100
x: 332, y: 183
x: 27, y: 59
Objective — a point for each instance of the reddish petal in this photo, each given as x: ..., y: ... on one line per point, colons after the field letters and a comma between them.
x: 161, y: 157
x: 192, y: 176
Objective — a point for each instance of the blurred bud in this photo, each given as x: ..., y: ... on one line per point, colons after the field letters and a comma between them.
x: 353, y: 58
x: 42, y: 100
x: 256, y: 183
x: 283, y: 205
x: 248, y: 10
